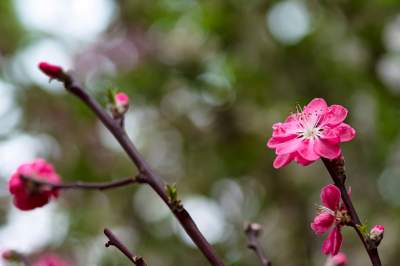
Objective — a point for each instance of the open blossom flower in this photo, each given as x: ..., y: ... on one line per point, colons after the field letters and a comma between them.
x: 339, y: 259
x: 312, y: 133
x: 331, y: 217
x: 28, y: 194
x: 50, y: 260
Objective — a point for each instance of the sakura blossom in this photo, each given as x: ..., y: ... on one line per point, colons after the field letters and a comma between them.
x: 332, y: 216
x: 311, y: 133
x: 28, y: 194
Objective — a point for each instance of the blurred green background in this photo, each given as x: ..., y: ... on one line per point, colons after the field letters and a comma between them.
x: 206, y: 80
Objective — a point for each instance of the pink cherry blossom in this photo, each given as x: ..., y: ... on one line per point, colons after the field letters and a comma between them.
x: 311, y: 133
x: 330, y: 218
x: 339, y: 259
x: 28, y: 195
x: 50, y: 260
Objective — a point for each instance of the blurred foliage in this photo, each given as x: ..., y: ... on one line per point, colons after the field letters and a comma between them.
x: 206, y: 80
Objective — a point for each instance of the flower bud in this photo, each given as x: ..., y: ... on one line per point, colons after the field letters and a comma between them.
x: 53, y: 71
x: 376, y: 234
x: 339, y: 259
x: 120, y: 104
x: 29, y: 194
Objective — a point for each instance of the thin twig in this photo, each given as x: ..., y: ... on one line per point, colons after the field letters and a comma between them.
x: 114, y: 241
x: 336, y: 170
x: 149, y: 176
x: 86, y: 185
x: 253, y: 231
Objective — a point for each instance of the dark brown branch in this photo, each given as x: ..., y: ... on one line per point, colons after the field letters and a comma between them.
x: 87, y: 185
x: 253, y: 231
x: 149, y: 176
x: 114, y: 241
x: 337, y: 172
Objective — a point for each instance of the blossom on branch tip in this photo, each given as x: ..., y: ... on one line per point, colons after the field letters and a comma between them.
x: 50, y: 260
x: 29, y: 194
x: 339, y: 259
x: 52, y: 71
x: 332, y: 216
x: 311, y: 133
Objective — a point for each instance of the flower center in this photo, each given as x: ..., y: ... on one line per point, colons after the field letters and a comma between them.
x: 308, y: 125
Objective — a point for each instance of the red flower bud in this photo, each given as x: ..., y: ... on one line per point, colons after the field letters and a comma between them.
x: 50, y: 70
x: 29, y: 195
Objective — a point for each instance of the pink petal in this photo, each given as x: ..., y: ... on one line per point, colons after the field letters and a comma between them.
x: 345, y: 132
x: 330, y: 135
x: 300, y: 160
x: 315, y: 110
x: 327, y: 148
x: 306, y: 150
x: 333, y: 242
x: 284, y: 129
x: 282, y: 160
x: 322, y: 222
x: 330, y: 197
x: 339, y: 259
x: 336, y: 114
x: 292, y: 118
x: 273, y: 142
x: 288, y: 146
x: 316, y: 105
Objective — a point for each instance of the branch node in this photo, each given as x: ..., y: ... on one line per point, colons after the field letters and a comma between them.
x: 253, y: 231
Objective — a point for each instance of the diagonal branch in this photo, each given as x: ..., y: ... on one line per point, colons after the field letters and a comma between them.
x: 114, y: 241
x: 336, y: 170
x: 149, y: 176
x: 253, y: 231
x: 87, y: 185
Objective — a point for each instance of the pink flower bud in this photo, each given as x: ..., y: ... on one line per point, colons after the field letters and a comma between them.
x: 28, y: 194
x: 50, y: 70
x: 121, y: 104
x: 338, y: 260
x: 376, y: 234
x: 122, y: 99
